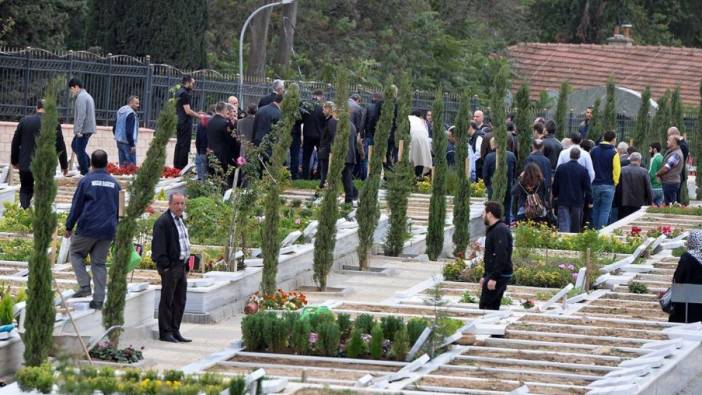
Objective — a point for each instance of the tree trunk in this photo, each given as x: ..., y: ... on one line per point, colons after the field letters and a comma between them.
x: 287, y: 36
x: 259, y: 39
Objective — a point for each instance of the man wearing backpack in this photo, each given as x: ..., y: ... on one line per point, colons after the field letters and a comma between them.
x: 571, y: 189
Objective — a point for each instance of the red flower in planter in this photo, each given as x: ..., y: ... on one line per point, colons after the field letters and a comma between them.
x: 666, y: 230
x: 635, y: 231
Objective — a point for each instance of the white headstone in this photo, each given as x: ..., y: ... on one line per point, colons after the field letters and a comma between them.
x: 310, y: 231
x: 291, y: 238
x: 418, y: 344
x: 558, y: 296
x: 523, y: 390
x: 580, y: 281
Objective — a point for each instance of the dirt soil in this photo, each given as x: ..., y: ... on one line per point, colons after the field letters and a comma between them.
x: 280, y: 359
x: 616, y: 332
x: 592, y: 322
x: 521, y: 377
x: 540, y: 356
x: 592, y: 341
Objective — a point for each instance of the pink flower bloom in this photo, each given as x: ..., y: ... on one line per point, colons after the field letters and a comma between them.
x: 298, y: 221
x: 571, y: 266
x: 313, y: 338
x: 575, y: 275
x: 562, y: 266
x: 240, y: 161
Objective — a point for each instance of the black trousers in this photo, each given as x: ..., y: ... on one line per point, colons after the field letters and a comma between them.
x: 26, y: 188
x: 490, y: 300
x: 184, y: 135
x: 174, y: 285
x: 323, y: 170
x: 308, y: 146
x: 349, y: 189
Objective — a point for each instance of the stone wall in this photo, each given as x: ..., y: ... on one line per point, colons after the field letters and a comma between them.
x: 102, y: 139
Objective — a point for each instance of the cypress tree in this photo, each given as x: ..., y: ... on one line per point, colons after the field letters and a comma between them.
x: 461, y: 198
x: 437, y: 203
x: 610, y: 111
x: 40, y: 307
x: 499, y: 90
x: 141, y: 193
x: 325, y: 240
x: 523, y: 124
x: 277, y: 173
x: 661, y: 121
x: 643, y: 122
x: 400, y: 176
x: 676, y: 111
x: 562, y: 111
x: 596, y: 121
x: 368, y: 211
x: 698, y: 149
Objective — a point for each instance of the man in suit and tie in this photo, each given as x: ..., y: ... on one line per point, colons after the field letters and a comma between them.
x: 170, y: 249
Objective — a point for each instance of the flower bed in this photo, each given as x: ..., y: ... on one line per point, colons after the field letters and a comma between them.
x: 16, y: 250
x: 87, y: 380
x: 529, y: 235
x: 281, y: 300
x: 130, y: 170
x: 321, y: 332
x: 675, y: 210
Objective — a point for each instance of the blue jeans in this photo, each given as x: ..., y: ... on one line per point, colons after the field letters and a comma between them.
x: 295, y: 156
x: 602, y: 196
x: 657, y: 196
x: 201, y: 166
x: 570, y: 218
x: 78, y: 145
x: 670, y: 193
x: 126, y: 156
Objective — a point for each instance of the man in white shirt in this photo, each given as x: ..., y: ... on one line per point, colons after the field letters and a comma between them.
x: 474, y: 144
x: 585, y: 159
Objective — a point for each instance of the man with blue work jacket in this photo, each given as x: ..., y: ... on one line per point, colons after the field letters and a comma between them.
x: 94, y: 213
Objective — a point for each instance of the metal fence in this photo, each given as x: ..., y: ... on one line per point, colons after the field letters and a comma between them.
x: 24, y: 73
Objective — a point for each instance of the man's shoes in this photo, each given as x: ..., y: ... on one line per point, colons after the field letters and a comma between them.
x: 95, y: 305
x: 168, y: 338
x: 181, y: 339
x: 83, y: 292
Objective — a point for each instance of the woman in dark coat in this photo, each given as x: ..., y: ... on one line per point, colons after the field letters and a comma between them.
x: 689, y: 271
x: 531, y: 181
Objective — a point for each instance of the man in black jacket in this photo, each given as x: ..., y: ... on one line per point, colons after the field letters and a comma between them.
x: 370, y: 123
x: 221, y: 141
x: 497, y: 258
x: 266, y: 117
x: 310, y: 126
x: 552, y: 147
x: 170, y: 250
x: 327, y: 140
x: 277, y: 89
x: 22, y: 151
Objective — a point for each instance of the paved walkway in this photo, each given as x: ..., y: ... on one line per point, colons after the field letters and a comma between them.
x: 208, y: 339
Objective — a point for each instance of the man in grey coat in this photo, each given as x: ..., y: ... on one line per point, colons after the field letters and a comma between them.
x: 635, y: 186
x: 83, y: 123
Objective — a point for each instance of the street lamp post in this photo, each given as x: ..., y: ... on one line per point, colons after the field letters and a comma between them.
x: 241, y: 45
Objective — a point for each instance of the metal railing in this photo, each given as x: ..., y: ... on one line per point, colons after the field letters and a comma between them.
x: 111, y: 79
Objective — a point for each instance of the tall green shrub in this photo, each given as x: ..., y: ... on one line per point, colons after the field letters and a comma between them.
x: 399, y: 178
x: 329, y: 334
x: 697, y: 148
x: 461, y: 197
x: 376, y: 343
x: 661, y: 121
x: 676, y: 111
x: 610, y: 110
x: 141, y: 193
x: 40, y: 307
x: 368, y: 211
x: 277, y: 174
x: 643, y: 121
x: 325, y: 240
x: 523, y: 124
x: 562, y: 111
x: 437, y: 203
x: 355, y: 347
x: 499, y: 90
x: 595, y: 130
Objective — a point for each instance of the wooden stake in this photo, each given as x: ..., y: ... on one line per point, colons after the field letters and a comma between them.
x: 400, y: 150
x: 122, y: 198
x: 230, y: 254
x: 9, y: 175
x: 589, y: 268
x: 467, y: 168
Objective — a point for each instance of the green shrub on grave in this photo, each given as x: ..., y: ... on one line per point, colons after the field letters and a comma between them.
x: 344, y: 322
x: 328, y: 339
x: 415, y: 327
x: 391, y: 325
x: 365, y: 323
x: 400, y: 345
x: 376, y: 344
x: 299, y: 339
x: 252, y: 332
x: 355, y: 347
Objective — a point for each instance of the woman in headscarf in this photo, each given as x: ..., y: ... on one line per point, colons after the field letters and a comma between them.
x: 689, y: 271
x: 420, y: 144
